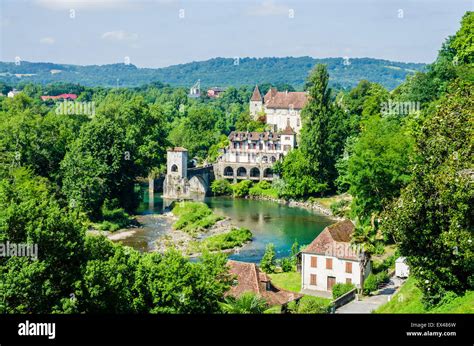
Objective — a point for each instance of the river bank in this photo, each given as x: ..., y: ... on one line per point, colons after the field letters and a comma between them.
x: 308, y: 205
x: 188, y: 243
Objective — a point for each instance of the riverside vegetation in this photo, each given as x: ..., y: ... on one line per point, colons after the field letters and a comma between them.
x: 197, y: 229
x: 409, y: 175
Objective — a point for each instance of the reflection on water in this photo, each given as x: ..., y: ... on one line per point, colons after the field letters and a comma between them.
x: 270, y: 222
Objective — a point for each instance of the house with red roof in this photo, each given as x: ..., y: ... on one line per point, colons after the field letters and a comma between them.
x: 247, y: 277
x: 281, y: 108
x: 59, y: 97
x: 331, y: 258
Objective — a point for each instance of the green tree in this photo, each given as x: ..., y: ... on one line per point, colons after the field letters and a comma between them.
x: 124, y: 141
x: 268, y: 262
x: 299, y: 179
x: 432, y: 220
x: 30, y: 215
x: 379, y: 165
x: 221, y: 187
x: 324, y: 130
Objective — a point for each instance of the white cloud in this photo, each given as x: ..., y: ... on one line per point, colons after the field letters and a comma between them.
x: 269, y: 8
x: 47, y: 40
x: 84, y: 4
x: 119, y: 35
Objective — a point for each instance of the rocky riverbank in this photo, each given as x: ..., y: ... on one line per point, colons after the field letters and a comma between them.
x: 313, y: 206
x: 185, y: 242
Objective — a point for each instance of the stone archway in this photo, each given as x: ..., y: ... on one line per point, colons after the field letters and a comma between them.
x: 198, y: 185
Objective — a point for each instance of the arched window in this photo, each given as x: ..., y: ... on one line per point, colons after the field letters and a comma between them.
x: 268, y: 173
x: 241, y: 172
x: 174, y: 168
x: 255, y: 172
x: 264, y: 159
x: 228, y: 172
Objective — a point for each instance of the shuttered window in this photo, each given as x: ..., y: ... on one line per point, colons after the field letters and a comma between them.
x: 314, y: 262
x: 348, y: 267
x: 312, y: 280
x: 328, y: 263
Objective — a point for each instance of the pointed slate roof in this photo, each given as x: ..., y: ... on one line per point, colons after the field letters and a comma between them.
x: 256, y: 95
x: 288, y: 130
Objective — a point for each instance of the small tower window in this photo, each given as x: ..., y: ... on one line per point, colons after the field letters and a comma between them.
x: 174, y: 168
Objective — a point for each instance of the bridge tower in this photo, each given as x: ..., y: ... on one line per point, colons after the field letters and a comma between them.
x: 177, y: 162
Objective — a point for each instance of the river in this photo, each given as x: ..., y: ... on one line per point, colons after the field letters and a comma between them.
x: 269, y: 222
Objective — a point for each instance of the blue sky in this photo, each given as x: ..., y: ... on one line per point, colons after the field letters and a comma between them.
x: 157, y: 33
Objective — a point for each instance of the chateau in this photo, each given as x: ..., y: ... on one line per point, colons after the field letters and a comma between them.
x: 251, y: 155
x: 280, y: 108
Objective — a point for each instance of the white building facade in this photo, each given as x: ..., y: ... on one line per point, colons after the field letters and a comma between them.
x: 331, y: 259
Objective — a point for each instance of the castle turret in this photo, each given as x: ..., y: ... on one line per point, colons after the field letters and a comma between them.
x: 177, y: 162
x: 256, y: 103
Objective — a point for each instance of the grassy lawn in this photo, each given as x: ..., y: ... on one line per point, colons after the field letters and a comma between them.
x: 408, y: 300
x: 308, y: 304
x: 290, y: 281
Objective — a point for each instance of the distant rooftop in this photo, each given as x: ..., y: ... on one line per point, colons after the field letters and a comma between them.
x: 177, y: 149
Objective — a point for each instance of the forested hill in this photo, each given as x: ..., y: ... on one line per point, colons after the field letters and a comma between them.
x: 214, y: 72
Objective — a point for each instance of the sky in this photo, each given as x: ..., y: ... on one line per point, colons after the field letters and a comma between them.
x: 158, y: 33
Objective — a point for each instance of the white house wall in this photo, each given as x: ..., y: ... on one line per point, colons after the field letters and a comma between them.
x: 338, y: 271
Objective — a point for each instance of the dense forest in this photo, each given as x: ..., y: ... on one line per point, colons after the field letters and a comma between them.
x: 221, y: 72
x: 409, y: 172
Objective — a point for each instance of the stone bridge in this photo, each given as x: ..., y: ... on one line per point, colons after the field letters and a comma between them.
x: 236, y: 171
x: 182, y: 182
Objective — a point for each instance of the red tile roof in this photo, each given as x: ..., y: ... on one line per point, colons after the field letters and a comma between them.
x: 57, y: 97
x: 285, y: 99
x: 334, y: 241
x: 177, y: 149
x: 251, y: 279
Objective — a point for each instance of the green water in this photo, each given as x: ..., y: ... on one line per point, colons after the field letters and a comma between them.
x: 269, y: 222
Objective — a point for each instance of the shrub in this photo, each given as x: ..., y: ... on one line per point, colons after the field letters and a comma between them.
x: 236, y: 237
x: 247, y: 303
x: 194, y: 216
x: 340, y: 289
x: 114, y: 218
x: 370, y: 284
x: 373, y: 281
x: 339, y: 208
x: 310, y: 305
x: 241, y: 189
x: 263, y: 188
x: 221, y: 187
x: 287, y: 264
x: 267, y: 264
